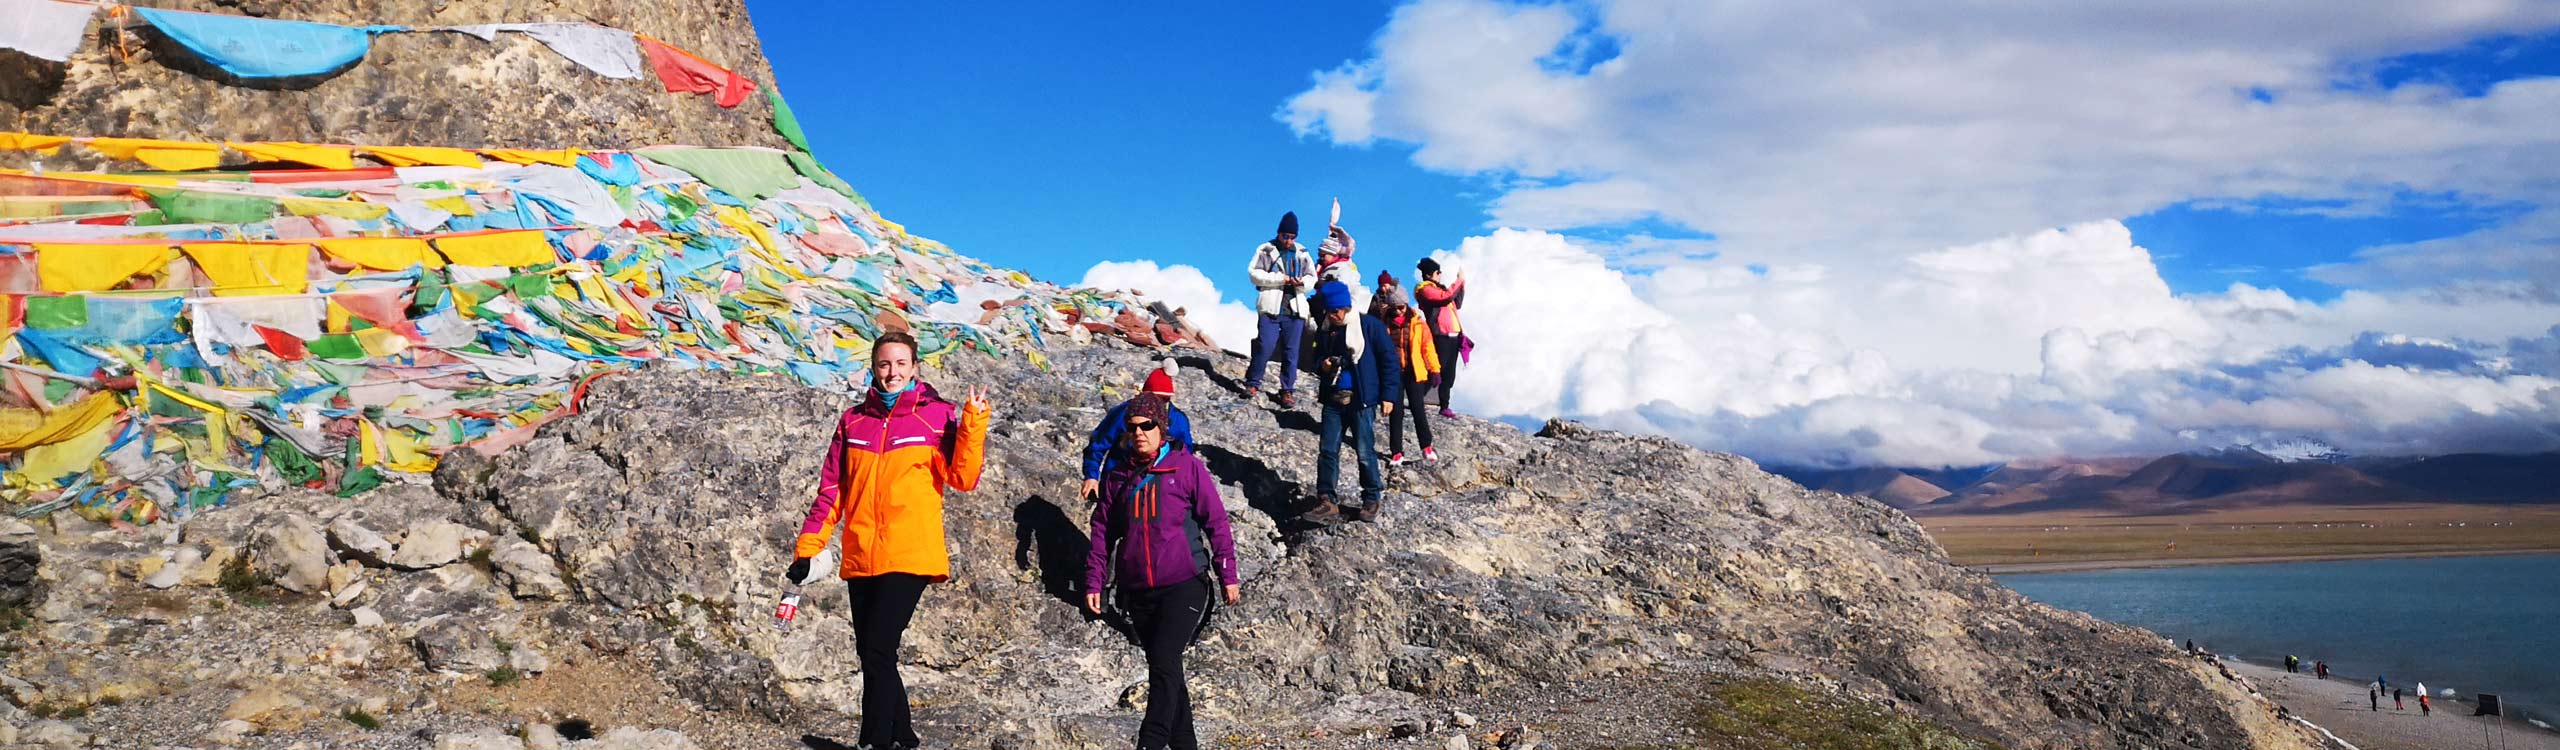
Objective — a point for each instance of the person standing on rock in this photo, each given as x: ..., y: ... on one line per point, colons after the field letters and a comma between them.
x: 1280, y: 269
x: 881, y: 483
x: 1440, y: 302
x: 1356, y: 361
x: 1106, y: 436
x: 1421, y: 364
x: 1158, y: 532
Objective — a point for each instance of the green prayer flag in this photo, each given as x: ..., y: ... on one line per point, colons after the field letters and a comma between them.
x: 57, y: 313
x: 291, y: 463
x: 809, y: 167
x: 746, y: 174
x: 783, y: 121
x: 356, y: 482
x: 337, y: 346
x: 197, y: 207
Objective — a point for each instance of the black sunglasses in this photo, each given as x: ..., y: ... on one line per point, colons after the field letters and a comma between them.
x: 1143, y: 425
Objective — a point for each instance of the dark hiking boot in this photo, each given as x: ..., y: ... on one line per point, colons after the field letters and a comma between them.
x: 1320, y: 509
x: 1288, y: 399
x: 1368, y: 512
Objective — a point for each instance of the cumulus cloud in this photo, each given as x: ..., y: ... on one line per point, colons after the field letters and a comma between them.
x: 1231, y: 323
x: 1848, y: 127
x: 1916, y: 252
x: 1946, y: 358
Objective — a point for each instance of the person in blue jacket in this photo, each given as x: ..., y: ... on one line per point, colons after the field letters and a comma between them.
x: 1356, y: 362
x: 1098, y: 453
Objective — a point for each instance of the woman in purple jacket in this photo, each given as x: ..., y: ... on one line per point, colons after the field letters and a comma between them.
x: 1159, y: 530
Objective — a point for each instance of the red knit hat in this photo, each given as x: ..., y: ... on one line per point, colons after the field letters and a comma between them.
x: 1160, y: 381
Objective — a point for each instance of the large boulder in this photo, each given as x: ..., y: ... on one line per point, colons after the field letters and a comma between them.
x: 289, y: 548
x: 20, y: 557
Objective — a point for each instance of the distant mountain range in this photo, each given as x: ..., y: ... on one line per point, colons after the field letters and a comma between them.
x: 2292, y: 473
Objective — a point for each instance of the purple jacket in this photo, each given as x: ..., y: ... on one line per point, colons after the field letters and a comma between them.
x: 1147, y: 513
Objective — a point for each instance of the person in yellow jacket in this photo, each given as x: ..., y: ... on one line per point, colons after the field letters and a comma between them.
x: 881, y: 485
x: 1421, y: 368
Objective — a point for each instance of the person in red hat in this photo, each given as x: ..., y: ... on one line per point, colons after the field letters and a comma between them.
x: 1097, y: 447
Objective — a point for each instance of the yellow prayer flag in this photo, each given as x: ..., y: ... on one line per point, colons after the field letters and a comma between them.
x: 46, y: 464
x: 21, y: 429
x: 452, y: 204
x: 411, y: 156
x: 42, y: 144
x: 324, y: 157
x: 381, y: 342
x: 382, y: 253
x: 174, y: 156
x: 241, y: 269
x: 95, y: 268
x: 566, y: 157
x: 515, y: 249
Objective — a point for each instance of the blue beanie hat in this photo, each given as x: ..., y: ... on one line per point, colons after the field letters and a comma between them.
x: 1332, y: 295
x: 1289, y: 223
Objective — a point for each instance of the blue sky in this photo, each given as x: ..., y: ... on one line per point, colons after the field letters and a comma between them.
x: 1049, y: 137
x: 1833, y: 230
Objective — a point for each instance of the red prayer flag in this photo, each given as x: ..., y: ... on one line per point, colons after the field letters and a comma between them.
x: 682, y: 72
x: 285, y: 345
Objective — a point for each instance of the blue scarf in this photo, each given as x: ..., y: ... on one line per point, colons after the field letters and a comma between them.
x: 889, y: 400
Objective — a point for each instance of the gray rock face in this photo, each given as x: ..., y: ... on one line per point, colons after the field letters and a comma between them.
x: 527, y: 572
x: 20, y: 557
x: 423, y: 89
x: 455, y: 645
x: 1516, y: 559
x: 429, y: 544
x: 289, y: 547
x: 355, y: 541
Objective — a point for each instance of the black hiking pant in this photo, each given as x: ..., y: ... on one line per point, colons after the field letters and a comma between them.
x: 882, y: 605
x: 1166, y: 618
x: 1447, y: 348
x: 1416, y: 398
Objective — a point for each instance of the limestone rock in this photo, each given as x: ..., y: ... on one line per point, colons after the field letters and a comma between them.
x: 51, y: 733
x: 527, y: 572
x: 478, y: 741
x: 453, y: 645
x: 541, y: 736
x: 354, y: 541
x: 260, y: 703
x: 430, y: 544
x: 181, y: 563
x: 365, y: 617
x: 629, y: 738
x: 229, y: 732
x: 290, y: 548
x: 19, y: 559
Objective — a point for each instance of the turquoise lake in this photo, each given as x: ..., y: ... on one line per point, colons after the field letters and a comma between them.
x: 2474, y: 624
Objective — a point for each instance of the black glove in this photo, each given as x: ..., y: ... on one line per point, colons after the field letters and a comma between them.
x: 799, y: 570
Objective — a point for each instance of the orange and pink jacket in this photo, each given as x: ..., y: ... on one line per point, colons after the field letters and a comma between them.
x: 883, y: 479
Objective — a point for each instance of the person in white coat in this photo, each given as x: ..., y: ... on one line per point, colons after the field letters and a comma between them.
x: 1282, y: 272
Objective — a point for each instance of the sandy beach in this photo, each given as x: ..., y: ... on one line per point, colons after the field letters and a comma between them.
x: 2079, y: 565
x: 2342, y: 708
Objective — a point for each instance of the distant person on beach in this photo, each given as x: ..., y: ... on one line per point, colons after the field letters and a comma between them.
x: 881, y: 482
x: 1159, y: 536
x: 2374, y: 695
x: 1281, y: 270
x: 1440, y: 301
x: 2292, y: 664
x: 2396, y: 705
x: 2423, y: 708
x: 2320, y: 669
x: 1421, y: 368
x: 1098, y: 446
x: 1356, y: 362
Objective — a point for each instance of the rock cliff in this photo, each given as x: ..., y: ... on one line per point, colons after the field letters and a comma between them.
x: 425, y: 89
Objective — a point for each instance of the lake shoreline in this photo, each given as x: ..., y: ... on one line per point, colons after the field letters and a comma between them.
x: 2341, y: 707
x: 2089, y: 565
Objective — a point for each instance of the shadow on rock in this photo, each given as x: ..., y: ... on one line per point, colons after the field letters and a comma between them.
x: 1044, y: 536
x: 1264, y: 490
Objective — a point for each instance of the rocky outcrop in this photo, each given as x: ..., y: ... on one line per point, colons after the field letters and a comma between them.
x: 428, y: 89
x: 1517, y: 560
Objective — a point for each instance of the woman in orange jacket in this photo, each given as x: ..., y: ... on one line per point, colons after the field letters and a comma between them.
x: 1421, y: 362
x: 881, y: 485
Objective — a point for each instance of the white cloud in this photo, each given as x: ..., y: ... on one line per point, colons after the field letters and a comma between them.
x: 1850, y: 158
x: 1231, y: 323
x: 1879, y: 128
x: 2063, y: 342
